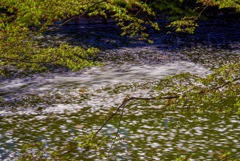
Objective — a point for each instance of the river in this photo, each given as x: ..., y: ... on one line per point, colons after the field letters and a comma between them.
x: 55, y: 107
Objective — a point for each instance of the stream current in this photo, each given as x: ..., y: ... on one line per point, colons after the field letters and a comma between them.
x: 56, y: 107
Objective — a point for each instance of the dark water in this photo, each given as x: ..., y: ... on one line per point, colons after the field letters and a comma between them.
x: 54, y: 108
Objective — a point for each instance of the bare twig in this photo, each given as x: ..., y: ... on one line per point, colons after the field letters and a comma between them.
x: 111, y: 116
x: 80, y: 16
x: 127, y: 99
x: 202, y: 11
x: 226, y: 83
x: 117, y: 133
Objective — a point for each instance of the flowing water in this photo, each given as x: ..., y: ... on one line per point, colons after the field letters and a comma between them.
x: 54, y: 108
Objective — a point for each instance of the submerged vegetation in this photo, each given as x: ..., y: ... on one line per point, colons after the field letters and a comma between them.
x: 23, y: 22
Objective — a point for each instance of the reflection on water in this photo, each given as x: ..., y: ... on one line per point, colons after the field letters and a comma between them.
x: 57, y: 107
x: 144, y: 133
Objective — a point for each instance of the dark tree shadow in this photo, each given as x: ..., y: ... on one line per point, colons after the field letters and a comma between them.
x: 221, y: 32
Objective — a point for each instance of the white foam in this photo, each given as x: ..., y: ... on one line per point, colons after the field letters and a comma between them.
x: 91, y: 80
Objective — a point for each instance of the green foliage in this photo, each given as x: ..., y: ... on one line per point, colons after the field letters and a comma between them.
x: 235, y: 4
x: 40, y: 14
x: 27, y: 55
x: 185, y: 24
x: 133, y: 24
x: 174, y: 8
x: 186, y: 14
x: 229, y: 156
x: 21, y: 20
x: 40, y: 152
x: 182, y: 158
x: 183, y: 14
x: 91, y: 142
x: 215, y: 93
